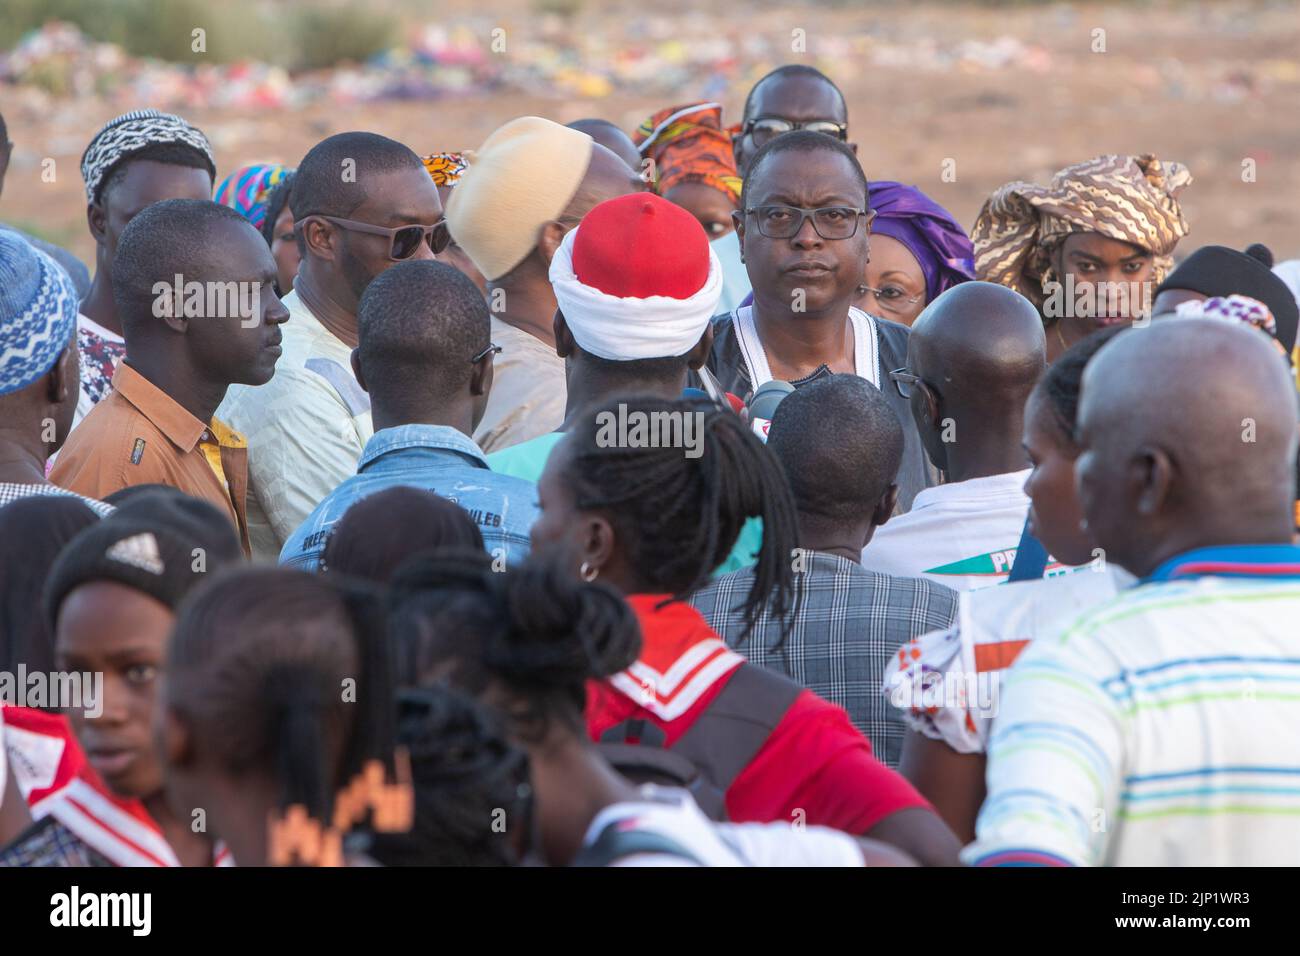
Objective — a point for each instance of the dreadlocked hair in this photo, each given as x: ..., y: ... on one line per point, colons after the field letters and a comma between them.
x: 465, y: 770
x: 534, y: 629
x: 676, y: 517
x: 259, y: 667
x: 1060, y: 384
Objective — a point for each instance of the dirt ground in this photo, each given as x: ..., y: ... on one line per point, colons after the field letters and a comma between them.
x: 1215, y: 86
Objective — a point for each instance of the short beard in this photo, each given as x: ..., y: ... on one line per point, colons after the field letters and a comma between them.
x: 354, y: 273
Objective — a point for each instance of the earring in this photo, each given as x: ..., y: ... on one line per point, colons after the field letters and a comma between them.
x: 588, y: 572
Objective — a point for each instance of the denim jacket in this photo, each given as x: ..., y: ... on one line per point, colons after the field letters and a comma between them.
x: 435, y: 458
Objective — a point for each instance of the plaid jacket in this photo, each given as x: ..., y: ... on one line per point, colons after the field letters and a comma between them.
x: 847, y: 625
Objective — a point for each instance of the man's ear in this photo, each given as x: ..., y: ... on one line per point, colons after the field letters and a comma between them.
x: 356, y: 369
x: 738, y: 152
x: 480, y: 377
x: 884, y: 509
x: 97, y: 220
x: 58, y: 380
x: 549, y: 239
x: 320, y: 239
x: 854, y: 147
x: 564, y: 343
x: 699, y: 354
x: 738, y: 221
x: 1150, y: 475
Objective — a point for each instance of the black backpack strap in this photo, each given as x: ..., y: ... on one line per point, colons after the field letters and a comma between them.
x: 614, y: 844
x: 733, y: 728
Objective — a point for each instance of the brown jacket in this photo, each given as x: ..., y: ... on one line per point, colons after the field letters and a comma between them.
x: 139, y: 435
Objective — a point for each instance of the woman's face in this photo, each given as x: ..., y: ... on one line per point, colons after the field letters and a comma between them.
x: 555, y: 535
x: 710, y: 206
x: 1109, y: 283
x: 1055, y: 515
x: 110, y: 629
x: 896, y: 278
x: 284, y: 248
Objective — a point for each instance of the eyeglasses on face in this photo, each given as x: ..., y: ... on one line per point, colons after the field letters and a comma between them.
x: 404, y: 241
x: 764, y: 128
x: 905, y: 381
x: 830, y: 222
x: 492, y: 349
x: 892, y: 299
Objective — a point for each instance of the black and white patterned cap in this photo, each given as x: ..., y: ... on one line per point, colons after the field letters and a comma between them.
x: 132, y: 132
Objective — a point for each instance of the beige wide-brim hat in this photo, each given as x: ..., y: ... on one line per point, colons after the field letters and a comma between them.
x: 523, y: 176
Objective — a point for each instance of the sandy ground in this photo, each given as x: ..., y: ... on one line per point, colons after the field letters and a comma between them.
x: 1214, y: 86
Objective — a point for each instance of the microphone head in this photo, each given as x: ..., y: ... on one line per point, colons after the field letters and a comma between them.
x: 766, y: 397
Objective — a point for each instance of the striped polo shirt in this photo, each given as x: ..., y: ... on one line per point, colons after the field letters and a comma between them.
x: 1161, y: 729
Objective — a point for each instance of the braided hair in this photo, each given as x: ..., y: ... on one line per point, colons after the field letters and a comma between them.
x: 259, y: 666
x: 676, y: 517
x: 534, y: 629
x: 467, y: 777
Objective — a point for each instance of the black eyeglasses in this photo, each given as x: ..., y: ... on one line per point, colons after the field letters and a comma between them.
x: 492, y: 349
x: 404, y: 240
x: 905, y: 381
x: 764, y: 128
x: 830, y: 222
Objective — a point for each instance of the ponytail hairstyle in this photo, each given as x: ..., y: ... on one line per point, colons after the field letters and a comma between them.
x: 676, y: 518
x: 534, y: 630
x: 285, y: 674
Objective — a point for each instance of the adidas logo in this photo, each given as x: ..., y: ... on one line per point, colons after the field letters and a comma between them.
x: 139, y: 551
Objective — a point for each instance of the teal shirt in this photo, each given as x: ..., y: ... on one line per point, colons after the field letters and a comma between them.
x: 527, y: 460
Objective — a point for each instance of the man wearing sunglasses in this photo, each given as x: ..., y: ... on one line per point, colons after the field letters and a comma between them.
x: 361, y: 203
x: 793, y: 96
x: 973, y: 357
x: 804, y: 225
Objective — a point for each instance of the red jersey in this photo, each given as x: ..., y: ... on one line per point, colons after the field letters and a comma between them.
x: 815, y: 767
x: 56, y: 780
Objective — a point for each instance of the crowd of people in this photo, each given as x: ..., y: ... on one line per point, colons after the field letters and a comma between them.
x: 694, y: 495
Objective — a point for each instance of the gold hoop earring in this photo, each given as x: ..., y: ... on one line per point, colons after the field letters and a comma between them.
x: 588, y: 572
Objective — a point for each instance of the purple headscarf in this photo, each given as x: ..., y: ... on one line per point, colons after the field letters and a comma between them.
x: 929, y: 231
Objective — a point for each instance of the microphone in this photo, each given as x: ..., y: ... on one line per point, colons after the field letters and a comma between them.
x: 762, y: 405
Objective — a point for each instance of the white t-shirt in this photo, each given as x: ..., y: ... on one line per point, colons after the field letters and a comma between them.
x: 672, y: 813
x: 963, y: 534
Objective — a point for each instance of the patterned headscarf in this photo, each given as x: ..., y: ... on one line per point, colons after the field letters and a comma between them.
x: 132, y: 132
x: 1130, y: 198
x: 247, y: 190
x: 929, y: 232
x: 689, y: 145
x: 445, y: 168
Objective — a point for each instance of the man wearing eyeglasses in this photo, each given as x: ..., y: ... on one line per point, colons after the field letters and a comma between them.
x: 804, y: 225
x: 973, y: 357
x: 793, y: 96
x: 361, y: 203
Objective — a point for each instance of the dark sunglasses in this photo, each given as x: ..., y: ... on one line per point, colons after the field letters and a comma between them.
x: 404, y: 241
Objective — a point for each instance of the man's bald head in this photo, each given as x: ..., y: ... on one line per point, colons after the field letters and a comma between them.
x: 979, y: 348
x: 1189, y: 437
x: 606, y: 134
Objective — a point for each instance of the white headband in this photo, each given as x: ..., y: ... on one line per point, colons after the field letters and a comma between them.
x: 624, y: 329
